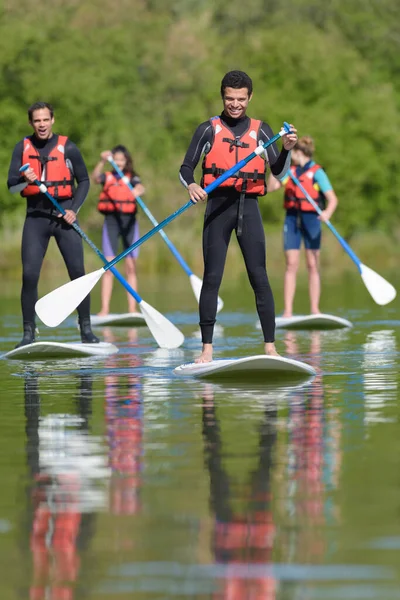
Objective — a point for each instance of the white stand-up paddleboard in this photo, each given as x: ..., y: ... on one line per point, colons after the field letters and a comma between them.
x: 321, y: 321
x: 45, y: 350
x: 118, y: 320
x: 250, y: 367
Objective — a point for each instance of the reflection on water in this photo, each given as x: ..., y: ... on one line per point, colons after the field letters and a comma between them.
x: 124, y: 426
x: 380, y: 378
x: 67, y: 469
x: 142, y: 485
x: 243, y: 529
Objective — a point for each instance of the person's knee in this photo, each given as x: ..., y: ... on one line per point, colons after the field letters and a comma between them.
x: 212, y: 281
x: 30, y: 276
x: 258, y: 278
x: 130, y: 269
x: 76, y: 269
x: 292, y: 264
x: 312, y: 261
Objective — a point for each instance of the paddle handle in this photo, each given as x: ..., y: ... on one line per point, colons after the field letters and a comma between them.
x: 209, y: 188
x: 154, y: 221
x: 42, y: 187
x: 342, y: 242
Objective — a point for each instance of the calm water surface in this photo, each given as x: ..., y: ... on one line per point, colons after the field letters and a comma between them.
x: 120, y: 480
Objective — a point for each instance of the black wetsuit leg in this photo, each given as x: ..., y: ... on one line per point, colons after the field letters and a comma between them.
x: 38, y: 229
x: 70, y: 245
x: 252, y: 245
x: 219, y: 222
x: 35, y: 240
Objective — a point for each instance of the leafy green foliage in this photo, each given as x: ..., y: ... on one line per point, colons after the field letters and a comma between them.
x: 146, y: 72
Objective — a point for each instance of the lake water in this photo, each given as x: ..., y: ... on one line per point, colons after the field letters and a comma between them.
x: 121, y: 480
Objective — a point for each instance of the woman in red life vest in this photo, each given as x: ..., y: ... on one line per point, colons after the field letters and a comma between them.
x: 302, y: 221
x: 118, y: 205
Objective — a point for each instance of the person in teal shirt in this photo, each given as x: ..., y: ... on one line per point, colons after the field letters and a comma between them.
x: 302, y: 222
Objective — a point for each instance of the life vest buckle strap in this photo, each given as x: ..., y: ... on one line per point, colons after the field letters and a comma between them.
x: 62, y: 183
x: 235, y: 142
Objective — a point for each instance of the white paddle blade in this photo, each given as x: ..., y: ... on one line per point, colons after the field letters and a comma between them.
x: 164, y: 332
x: 53, y: 308
x: 196, y: 284
x: 381, y: 290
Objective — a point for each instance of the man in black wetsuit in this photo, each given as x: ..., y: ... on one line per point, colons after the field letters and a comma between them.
x: 56, y: 161
x: 224, y: 141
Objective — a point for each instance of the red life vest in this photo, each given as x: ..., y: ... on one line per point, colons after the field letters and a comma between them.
x: 226, y: 151
x: 294, y: 197
x: 58, y: 177
x: 116, y: 196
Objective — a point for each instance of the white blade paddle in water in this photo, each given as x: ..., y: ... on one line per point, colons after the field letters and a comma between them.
x: 195, y: 281
x: 381, y: 290
x: 57, y: 305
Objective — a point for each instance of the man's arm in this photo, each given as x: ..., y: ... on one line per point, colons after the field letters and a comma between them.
x: 201, y: 139
x: 279, y: 162
x: 200, y: 144
x: 78, y: 167
x: 15, y: 182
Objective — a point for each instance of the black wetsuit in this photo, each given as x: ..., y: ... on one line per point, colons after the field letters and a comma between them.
x: 221, y: 218
x: 42, y: 222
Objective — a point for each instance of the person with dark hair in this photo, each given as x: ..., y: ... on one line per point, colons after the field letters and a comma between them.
x: 302, y: 221
x: 57, y: 162
x: 118, y: 205
x: 225, y: 140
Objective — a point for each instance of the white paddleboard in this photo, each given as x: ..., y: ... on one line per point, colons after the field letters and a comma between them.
x: 250, y: 367
x: 118, y: 320
x: 44, y: 350
x: 322, y: 321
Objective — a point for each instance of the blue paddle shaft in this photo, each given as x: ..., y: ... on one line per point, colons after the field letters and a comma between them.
x: 147, y: 212
x: 209, y: 188
x: 343, y: 243
x: 83, y: 235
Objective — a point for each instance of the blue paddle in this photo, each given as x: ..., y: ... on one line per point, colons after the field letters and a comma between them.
x: 164, y: 332
x: 381, y: 290
x: 53, y: 308
x: 195, y: 281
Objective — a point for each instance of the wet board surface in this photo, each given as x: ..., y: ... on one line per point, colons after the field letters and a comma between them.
x: 322, y: 321
x: 119, y: 320
x: 45, y: 350
x: 250, y: 367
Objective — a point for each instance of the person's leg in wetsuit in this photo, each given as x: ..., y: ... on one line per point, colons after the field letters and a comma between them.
x: 71, y: 247
x: 252, y: 245
x: 35, y: 240
x: 219, y: 222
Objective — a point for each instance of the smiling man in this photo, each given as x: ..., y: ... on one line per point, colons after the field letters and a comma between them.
x: 224, y: 141
x: 57, y: 162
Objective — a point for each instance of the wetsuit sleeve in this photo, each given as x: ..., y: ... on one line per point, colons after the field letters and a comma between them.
x: 101, y: 179
x: 279, y: 162
x: 77, y: 164
x: 199, y: 145
x: 15, y: 182
x: 135, y: 180
x: 322, y: 180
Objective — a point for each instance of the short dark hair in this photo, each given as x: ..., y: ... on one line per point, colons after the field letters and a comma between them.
x: 39, y: 106
x: 236, y: 80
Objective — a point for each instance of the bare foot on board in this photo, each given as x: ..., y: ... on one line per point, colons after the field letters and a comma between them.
x: 206, y: 355
x: 270, y: 349
x: 103, y: 313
